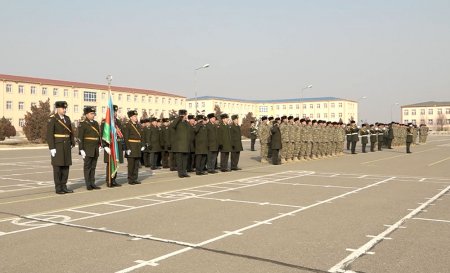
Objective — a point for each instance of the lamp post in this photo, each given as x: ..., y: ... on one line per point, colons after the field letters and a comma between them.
x: 195, y: 83
x: 392, y: 106
x: 301, y: 95
x: 359, y: 100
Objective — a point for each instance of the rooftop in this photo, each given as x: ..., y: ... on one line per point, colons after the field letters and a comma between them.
x: 80, y: 85
x: 269, y: 101
x: 428, y: 104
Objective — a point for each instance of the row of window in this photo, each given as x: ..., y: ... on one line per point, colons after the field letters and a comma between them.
x: 422, y: 111
x: 430, y: 121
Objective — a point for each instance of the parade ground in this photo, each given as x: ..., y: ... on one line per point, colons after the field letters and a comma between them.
x: 376, y: 212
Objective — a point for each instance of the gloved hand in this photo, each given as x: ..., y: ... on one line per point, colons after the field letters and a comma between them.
x: 107, y: 150
x: 142, y: 149
x: 53, y: 152
x: 128, y: 152
x: 83, y: 153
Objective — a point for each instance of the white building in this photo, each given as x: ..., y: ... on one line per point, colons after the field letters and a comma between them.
x: 435, y: 114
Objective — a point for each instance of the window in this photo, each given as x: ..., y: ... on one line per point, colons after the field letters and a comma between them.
x: 422, y: 111
x: 8, y: 88
x: 75, y: 108
x: 304, y: 115
x: 311, y: 116
x: 176, y: 101
x: 8, y: 105
x: 439, y: 111
x: 332, y: 105
x: 297, y: 106
x: 413, y: 112
x: 143, y: 98
x: 430, y: 122
x: 66, y: 92
x: 20, y: 105
x: 284, y: 107
x: 169, y: 101
x: 75, y: 93
x: 90, y: 96
x: 413, y: 121
x: 311, y: 106
x: 340, y: 115
x: 203, y: 104
x: 278, y: 107
x: 290, y: 107
x: 149, y: 99
x: 318, y: 106
x: 430, y: 111
x: 325, y: 115
x: 340, y: 105
x: 325, y: 105
x: 304, y: 106
x: 422, y: 121
x: 120, y: 110
x: 163, y: 100
x: 103, y: 109
x: 318, y: 115
x: 405, y: 121
x: 55, y: 92
x: 448, y: 121
x: 20, y: 89
x: 263, y: 109
x: 190, y: 105
x: 21, y: 122
x: 33, y: 90
x: 156, y: 99
x: 44, y: 91
x: 405, y: 112
x: 135, y: 98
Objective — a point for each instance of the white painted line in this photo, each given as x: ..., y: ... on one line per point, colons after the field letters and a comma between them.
x: 353, y: 250
x: 232, y: 233
x: 369, y: 245
x: 437, y: 162
x: 82, y: 211
x: 362, y: 176
x: 373, y: 236
x: 262, y: 222
x: 422, y: 179
x: 433, y: 220
x: 392, y: 225
x: 119, y: 205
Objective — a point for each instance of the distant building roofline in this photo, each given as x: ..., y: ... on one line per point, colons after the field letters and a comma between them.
x: 428, y: 104
x: 270, y: 101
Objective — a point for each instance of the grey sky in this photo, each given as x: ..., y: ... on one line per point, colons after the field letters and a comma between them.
x: 389, y: 51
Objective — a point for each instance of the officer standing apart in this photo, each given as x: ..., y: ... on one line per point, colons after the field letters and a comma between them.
x: 89, y: 145
x: 60, y: 141
x: 253, y: 135
x: 132, y: 134
x: 409, y: 138
x: 236, y: 142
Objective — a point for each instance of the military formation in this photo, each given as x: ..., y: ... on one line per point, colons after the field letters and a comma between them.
x: 191, y: 143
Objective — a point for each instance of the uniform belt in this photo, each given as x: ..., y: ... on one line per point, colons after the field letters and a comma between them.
x: 364, y: 136
x: 134, y: 140
x: 91, y: 138
x: 60, y: 135
x: 354, y: 133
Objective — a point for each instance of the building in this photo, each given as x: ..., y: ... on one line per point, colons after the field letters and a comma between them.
x: 435, y: 114
x: 20, y: 93
x: 325, y: 108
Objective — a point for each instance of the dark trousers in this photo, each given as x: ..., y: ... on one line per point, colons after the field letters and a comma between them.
x: 235, y: 160
x: 363, y: 147
x: 172, y: 161
x: 165, y: 159
x: 153, y: 160
x: 191, y: 162
x: 372, y: 146
x: 353, y: 147
x: 252, y: 144
x: 60, y: 176
x: 348, y: 144
x: 408, y: 147
x: 275, y: 155
x: 133, y: 168
x: 389, y: 143
x: 147, y: 157
x: 200, y: 162
x: 182, y: 163
x: 212, y: 160
x: 90, y: 164
x: 107, y: 175
x: 380, y: 144
x: 224, y: 160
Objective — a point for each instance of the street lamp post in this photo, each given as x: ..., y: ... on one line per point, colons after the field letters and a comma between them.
x: 392, y: 106
x: 195, y: 84
x: 301, y: 95
x: 360, y: 99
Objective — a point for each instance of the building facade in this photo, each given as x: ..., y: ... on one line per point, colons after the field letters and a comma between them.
x: 324, y: 108
x: 18, y: 94
x: 435, y: 114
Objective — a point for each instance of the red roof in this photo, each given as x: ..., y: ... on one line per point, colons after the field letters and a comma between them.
x: 41, y: 81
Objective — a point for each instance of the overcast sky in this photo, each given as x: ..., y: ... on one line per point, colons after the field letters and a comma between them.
x: 388, y: 51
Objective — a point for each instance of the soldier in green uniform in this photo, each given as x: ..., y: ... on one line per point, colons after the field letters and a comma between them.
x: 264, y: 134
x: 236, y: 142
x: 166, y: 142
x: 297, y: 139
x: 355, y: 135
x: 201, y: 145
x: 191, y: 159
x: 133, y: 137
x: 409, y: 137
x: 213, y: 145
x: 253, y: 135
x: 275, y: 143
x: 60, y: 141
x: 225, y: 144
x: 146, y: 153
x: 111, y: 181
x: 89, y: 144
x: 373, y: 137
x: 348, y: 134
x: 390, y: 135
x: 364, y: 132
x: 181, y: 142
x: 154, y: 142
x: 380, y: 134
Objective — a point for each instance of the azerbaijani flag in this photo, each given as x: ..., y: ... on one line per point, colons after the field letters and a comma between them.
x: 110, y: 137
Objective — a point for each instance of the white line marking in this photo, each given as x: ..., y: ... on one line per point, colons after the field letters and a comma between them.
x: 82, y: 211
x: 433, y: 220
x: 369, y: 245
x: 373, y: 236
x: 437, y: 162
x: 353, y: 250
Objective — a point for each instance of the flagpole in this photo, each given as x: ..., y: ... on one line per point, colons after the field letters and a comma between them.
x: 109, y: 79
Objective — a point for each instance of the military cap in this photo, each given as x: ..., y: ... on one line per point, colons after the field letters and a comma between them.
x: 270, y: 118
x: 61, y: 104
x: 152, y: 119
x: 283, y: 117
x: 224, y: 115
x: 308, y: 121
x: 371, y: 125
x: 233, y: 117
x: 165, y: 120
x: 340, y: 123
x: 158, y: 120
x: 252, y: 121
x: 314, y: 121
x: 182, y: 112
x: 88, y: 109
x: 295, y: 119
x: 334, y: 123
x: 277, y: 119
x: 132, y: 113
x: 352, y: 121
x: 290, y: 117
x: 191, y: 117
x: 200, y: 117
x: 302, y: 120
x: 211, y: 115
x: 116, y: 108
x: 264, y: 118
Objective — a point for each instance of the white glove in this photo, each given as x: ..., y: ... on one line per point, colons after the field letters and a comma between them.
x: 143, y: 148
x: 107, y: 150
x: 83, y: 154
x: 100, y: 149
x: 128, y: 152
x: 53, y: 152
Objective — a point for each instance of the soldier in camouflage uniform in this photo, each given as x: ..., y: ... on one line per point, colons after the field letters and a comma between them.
x: 297, y: 139
x: 423, y: 133
x: 415, y: 131
x: 284, y: 129
x: 303, y: 145
x: 264, y: 134
x: 315, y: 140
x: 291, y: 130
x: 308, y: 139
x: 341, y: 138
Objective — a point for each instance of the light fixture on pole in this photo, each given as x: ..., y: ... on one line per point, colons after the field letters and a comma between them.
x: 301, y: 94
x: 195, y: 84
x: 392, y: 106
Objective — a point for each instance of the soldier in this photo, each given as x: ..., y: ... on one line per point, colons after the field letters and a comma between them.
x: 236, y: 142
x: 284, y: 129
x: 297, y: 139
x: 364, y: 137
x: 146, y: 153
x: 191, y: 158
x: 354, y: 137
x: 89, y: 145
x: 111, y: 178
x: 264, y: 134
x: 181, y: 142
x: 60, y: 141
x: 348, y: 134
x: 154, y: 143
x: 380, y: 134
x: 390, y: 135
x: 165, y: 138
x: 269, y: 152
x: 315, y: 131
x: 213, y: 145
x: 225, y: 144
x: 275, y: 143
x: 291, y: 132
x: 340, y: 138
x: 133, y: 137
x: 201, y: 145
x: 373, y: 137
x: 409, y: 137
x: 308, y: 139
x: 253, y: 135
